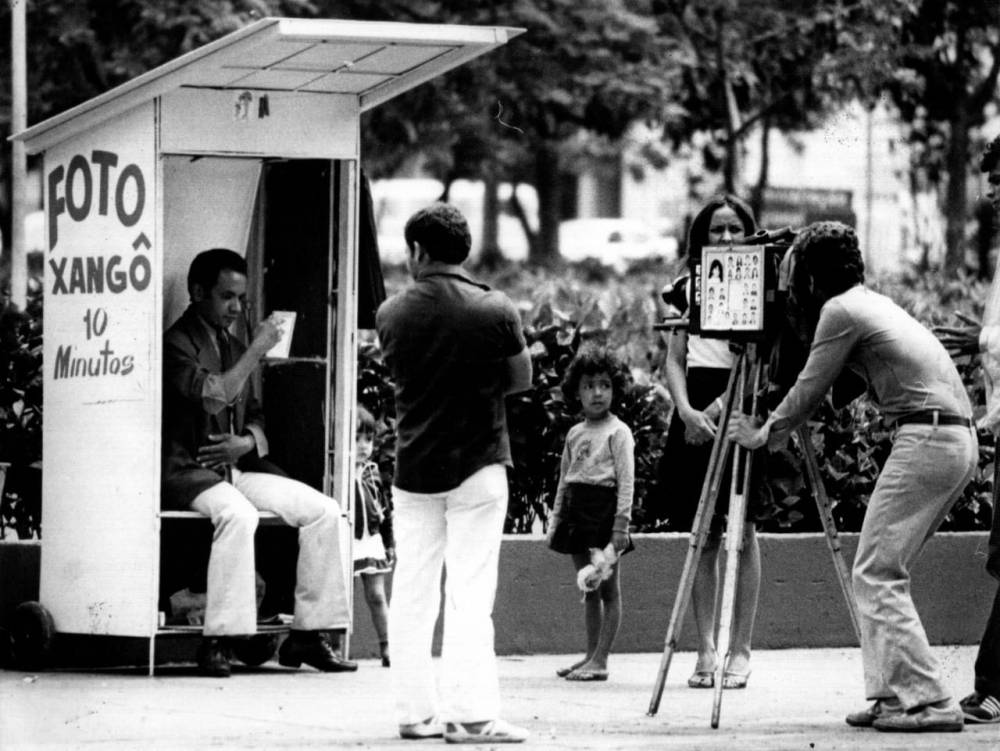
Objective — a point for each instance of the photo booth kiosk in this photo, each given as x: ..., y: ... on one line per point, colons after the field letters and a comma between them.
x: 251, y: 142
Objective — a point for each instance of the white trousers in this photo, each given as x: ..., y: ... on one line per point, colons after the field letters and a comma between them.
x: 460, y: 529
x: 320, y: 585
x: 925, y: 473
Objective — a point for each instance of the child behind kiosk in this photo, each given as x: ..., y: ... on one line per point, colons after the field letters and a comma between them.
x: 593, y: 503
x: 374, y: 547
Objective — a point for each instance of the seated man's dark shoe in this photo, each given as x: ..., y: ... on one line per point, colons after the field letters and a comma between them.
x: 312, y: 649
x: 213, y: 658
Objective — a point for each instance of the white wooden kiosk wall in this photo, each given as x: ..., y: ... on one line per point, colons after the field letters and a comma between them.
x: 137, y: 181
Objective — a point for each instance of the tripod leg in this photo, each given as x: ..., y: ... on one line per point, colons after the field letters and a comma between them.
x: 734, y: 546
x: 829, y: 526
x: 699, y: 534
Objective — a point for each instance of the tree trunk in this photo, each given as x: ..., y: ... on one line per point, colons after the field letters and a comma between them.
x: 522, y: 217
x: 489, y: 247
x: 6, y: 219
x: 731, y: 167
x: 957, y: 161
x: 985, y: 230
x: 545, y: 252
x: 757, y: 197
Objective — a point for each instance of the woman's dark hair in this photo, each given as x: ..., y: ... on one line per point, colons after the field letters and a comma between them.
x: 828, y: 252
x: 698, y: 234
x: 207, y: 265
x: 442, y: 232
x: 591, y: 360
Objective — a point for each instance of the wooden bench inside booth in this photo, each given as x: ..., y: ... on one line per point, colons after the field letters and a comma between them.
x: 259, y: 650
x: 267, y: 518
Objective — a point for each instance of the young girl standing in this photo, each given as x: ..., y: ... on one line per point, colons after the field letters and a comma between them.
x: 374, y: 547
x: 593, y: 503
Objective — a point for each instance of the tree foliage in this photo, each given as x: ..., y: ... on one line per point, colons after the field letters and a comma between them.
x: 774, y: 64
x: 77, y: 49
x: 947, y: 64
x: 716, y: 67
x: 586, y: 66
x: 582, y: 65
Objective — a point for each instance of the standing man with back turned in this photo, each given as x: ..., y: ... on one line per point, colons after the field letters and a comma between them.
x: 455, y: 349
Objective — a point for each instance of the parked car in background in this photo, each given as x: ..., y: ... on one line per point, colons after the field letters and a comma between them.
x: 614, y: 242
x: 396, y: 199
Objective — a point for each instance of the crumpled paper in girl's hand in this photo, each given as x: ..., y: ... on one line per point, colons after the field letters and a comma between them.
x: 602, y: 561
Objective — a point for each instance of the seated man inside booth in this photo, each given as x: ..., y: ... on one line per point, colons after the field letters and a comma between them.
x: 214, y: 462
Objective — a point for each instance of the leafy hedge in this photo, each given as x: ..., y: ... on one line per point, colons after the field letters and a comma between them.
x: 560, y: 311
x: 21, y: 418
x: 588, y: 303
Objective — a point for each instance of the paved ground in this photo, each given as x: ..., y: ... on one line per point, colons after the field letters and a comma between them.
x: 796, y: 700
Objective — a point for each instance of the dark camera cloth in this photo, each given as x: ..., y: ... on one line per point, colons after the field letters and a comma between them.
x: 682, y: 466
x: 588, y: 517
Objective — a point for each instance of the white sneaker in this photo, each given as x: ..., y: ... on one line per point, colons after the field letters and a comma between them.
x: 927, y: 719
x: 881, y: 708
x: 494, y: 731
x: 432, y: 727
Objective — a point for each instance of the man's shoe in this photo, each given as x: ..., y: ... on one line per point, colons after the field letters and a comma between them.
x: 213, y: 658
x: 925, y: 719
x: 313, y: 649
x: 881, y: 708
x: 980, y: 709
x: 432, y: 727
x: 488, y: 733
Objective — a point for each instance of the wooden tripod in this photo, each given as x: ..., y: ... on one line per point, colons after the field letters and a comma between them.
x: 748, y: 366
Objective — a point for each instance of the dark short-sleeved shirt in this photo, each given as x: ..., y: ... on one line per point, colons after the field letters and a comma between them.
x: 445, y: 339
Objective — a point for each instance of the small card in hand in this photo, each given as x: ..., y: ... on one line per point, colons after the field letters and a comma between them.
x: 285, y: 320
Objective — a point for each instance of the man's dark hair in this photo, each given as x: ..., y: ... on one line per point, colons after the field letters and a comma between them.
x: 829, y: 253
x: 698, y: 234
x: 207, y: 265
x: 991, y: 156
x: 442, y: 232
x: 591, y: 360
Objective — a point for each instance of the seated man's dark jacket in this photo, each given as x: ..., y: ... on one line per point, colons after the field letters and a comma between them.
x: 189, y: 356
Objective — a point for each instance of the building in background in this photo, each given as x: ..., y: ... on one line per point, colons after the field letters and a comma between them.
x: 854, y: 169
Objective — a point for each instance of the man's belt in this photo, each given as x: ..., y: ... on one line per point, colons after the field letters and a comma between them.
x: 934, y: 417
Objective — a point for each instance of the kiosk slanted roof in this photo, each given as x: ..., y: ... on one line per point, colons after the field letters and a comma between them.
x: 372, y: 60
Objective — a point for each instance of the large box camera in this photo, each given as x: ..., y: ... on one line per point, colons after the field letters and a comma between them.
x: 735, y: 293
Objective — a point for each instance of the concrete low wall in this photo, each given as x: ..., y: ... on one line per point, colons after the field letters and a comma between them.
x: 538, y: 607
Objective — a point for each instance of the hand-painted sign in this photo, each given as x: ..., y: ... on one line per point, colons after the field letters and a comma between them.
x: 102, y: 392
x: 99, y: 191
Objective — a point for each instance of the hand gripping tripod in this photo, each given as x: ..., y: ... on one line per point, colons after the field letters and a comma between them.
x: 746, y: 369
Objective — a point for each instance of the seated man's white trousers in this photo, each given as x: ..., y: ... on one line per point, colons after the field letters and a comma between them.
x: 320, y: 586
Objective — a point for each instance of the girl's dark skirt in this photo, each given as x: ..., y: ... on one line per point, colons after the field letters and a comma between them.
x: 588, y: 517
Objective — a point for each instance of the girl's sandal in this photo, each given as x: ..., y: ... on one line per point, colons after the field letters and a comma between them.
x: 563, y: 672
x: 702, y: 679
